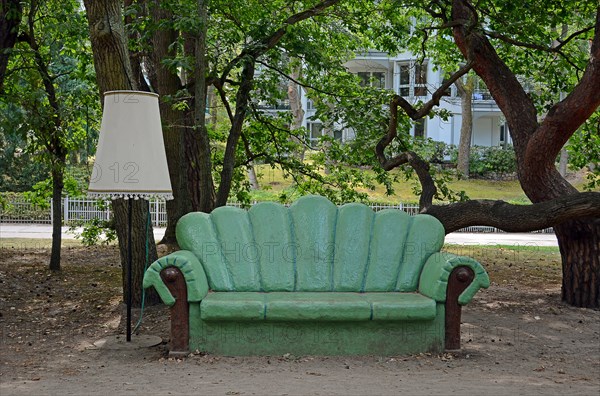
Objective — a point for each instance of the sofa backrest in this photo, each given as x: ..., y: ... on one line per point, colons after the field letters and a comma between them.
x: 311, y: 246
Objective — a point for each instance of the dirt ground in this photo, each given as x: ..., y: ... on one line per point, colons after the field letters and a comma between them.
x: 517, y: 339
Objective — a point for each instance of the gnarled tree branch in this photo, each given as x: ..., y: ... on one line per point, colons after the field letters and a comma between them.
x: 421, y: 167
x: 409, y: 157
x: 517, y: 218
x: 424, y: 110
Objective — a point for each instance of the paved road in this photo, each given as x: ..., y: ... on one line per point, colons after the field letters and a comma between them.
x: 39, y: 231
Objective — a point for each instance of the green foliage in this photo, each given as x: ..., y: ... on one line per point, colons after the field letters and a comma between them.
x: 41, y: 192
x: 20, y: 170
x: 484, y: 161
x: 319, y: 47
x: 34, y: 212
x: 584, y: 151
x: 95, y: 232
x: 31, y: 140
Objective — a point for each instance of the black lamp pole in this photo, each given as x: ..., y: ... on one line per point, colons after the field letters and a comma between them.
x: 129, y: 268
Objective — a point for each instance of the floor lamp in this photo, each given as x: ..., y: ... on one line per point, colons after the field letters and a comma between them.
x: 130, y: 159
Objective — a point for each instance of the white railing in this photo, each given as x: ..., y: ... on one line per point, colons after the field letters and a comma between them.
x: 73, y: 210
x: 82, y: 210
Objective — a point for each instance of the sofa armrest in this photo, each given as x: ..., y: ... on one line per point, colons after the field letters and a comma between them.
x: 190, y: 267
x: 436, y: 272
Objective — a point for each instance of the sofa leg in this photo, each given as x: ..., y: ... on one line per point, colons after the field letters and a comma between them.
x: 460, y: 279
x: 175, y: 282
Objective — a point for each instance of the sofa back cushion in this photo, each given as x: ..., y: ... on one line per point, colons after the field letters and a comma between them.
x: 311, y: 246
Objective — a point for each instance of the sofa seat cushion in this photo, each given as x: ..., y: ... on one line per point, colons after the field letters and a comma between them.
x: 316, y: 306
x: 401, y: 306
x: 247, y: 306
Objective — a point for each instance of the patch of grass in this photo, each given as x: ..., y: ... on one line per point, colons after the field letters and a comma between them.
x: 272, y: 183
x: 35, y: 243
x: 534, y: 266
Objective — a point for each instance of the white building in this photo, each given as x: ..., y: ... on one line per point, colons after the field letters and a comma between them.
x: 415, y: 82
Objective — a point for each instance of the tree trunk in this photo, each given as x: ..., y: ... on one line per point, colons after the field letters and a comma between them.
x: 241, y: 105
x: 538, y: 144
x: 297, y: 112
x: 113, y: 72
x: 174, y: 121
x: 10, y: 18
x: 197, y: 142
x: 252, y: 177
x: 57, y: 188
x: 213, y: 100
x: 53, y: 137
x: 564, y: 160
x: 136, y: 58
x: 578, y: 242
x: 466, y: 126
x: 139, y: 216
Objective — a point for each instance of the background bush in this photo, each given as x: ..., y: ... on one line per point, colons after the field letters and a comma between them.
x: 488, y: 161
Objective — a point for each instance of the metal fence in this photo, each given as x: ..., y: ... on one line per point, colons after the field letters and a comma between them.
x: 74, y: 210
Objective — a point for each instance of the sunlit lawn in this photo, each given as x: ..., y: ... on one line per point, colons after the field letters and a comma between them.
x: 272, y: 183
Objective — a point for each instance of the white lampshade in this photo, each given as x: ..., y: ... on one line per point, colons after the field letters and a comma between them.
x: 130, y: 159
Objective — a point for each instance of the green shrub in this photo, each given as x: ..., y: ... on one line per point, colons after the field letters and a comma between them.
x: 484, y: 161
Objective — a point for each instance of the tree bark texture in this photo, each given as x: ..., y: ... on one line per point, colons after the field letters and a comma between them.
x: 516, y: 218
x: 252, y: 179
x: 579, y: 243
x: 136, y: 58
x: 114, y: 72
x: 466, y: 126
x: 57, y: 188
x: 200, y: 182
x: 297, y: 111
x: 538, y: 143
x: 174, y: 122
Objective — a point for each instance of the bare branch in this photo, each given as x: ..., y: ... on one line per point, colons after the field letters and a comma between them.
x: 285, y: 75
x: 224, y: 100
x: 424, y: 110
x: 551, y: 49
x: 262, y: 46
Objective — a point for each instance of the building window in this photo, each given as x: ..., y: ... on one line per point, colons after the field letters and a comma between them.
x: 481, y: 91
x: 337, y: 135
x: 405, y: 80
x: 504, y: 135
x: 413, y: 79
x: 419, y: 128
x: 421, y: 79
x: 315, y: 131
x: 372, y: 79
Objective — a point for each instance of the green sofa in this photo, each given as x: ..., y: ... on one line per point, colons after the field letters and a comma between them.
x: 313, y: 279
